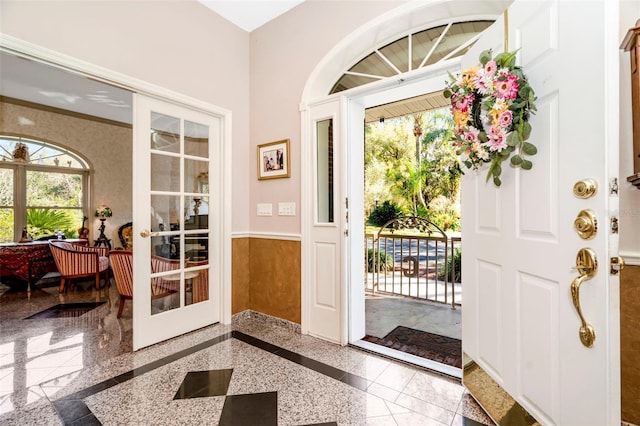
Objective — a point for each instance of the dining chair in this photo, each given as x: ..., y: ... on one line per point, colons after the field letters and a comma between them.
x: 200, y: 284
x: 122, y: 265
x: 75, y: 260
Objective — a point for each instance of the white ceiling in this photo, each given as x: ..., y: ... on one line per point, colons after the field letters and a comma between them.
x: 250, y: 15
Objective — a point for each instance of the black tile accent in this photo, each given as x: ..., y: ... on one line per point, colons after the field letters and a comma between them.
x: 66, y: 310
x: 470, y: 422
x: 355, y: 381
x: 89, y: 420
x: 256, y: 409
x: 198, y: 384
x: 71, y: 410
x: 324, y: 424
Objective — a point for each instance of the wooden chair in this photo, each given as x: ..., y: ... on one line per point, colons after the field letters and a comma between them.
x: 75, y: 260
x: 122, y: 265
x: 163, y: 264
x: 200, y: 286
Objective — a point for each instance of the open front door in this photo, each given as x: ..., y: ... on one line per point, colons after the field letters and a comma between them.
x: 521, y: 329
x: 177, y: 220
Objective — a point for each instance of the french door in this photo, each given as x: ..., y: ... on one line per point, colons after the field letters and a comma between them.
x: 535, y: 287
x: 177, y: 220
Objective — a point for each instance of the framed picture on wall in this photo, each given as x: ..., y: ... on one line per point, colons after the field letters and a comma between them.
x: 273, y: 160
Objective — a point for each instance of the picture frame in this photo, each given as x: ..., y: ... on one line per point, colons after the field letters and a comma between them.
x: 273, y: 160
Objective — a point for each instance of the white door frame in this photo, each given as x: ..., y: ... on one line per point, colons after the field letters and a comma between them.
x: 51, y: 57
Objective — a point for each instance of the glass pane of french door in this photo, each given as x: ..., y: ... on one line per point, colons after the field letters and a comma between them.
x: 179, y: 213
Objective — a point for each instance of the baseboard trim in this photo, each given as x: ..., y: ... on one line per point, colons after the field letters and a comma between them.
x: 249, y: 314
x: 268, y: 235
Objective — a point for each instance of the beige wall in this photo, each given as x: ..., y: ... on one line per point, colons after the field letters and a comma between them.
x: 200, y: 55
x: 284, y: 52
x: 107, y: 147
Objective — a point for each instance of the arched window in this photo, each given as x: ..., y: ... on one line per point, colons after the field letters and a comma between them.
x: 43, y: 188
x: 413, y: 51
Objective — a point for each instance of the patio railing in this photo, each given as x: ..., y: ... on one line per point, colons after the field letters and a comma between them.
x: 409, y: 257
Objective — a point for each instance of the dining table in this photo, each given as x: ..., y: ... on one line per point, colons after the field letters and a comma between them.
x: 29, y: 261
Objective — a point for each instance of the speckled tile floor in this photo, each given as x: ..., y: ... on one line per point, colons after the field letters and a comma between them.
x: 80, y: 370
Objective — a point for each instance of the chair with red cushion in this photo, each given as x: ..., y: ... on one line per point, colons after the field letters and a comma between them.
x: 122, y: 265
x: 75, y: 260
x: 201, y: 282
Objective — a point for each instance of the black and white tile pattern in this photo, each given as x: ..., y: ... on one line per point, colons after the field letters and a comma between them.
x: 218, y: 375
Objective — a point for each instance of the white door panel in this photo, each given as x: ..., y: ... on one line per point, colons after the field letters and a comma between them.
x: 519, y: 322
x: 323, y: 290
x: 177, y: 220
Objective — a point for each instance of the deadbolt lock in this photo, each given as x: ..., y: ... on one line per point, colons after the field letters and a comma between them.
x: 586, y: 188
x: 586, y: 224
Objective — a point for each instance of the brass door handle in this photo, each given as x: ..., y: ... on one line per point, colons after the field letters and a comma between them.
x: 587, y: 265
x: 145, y: 233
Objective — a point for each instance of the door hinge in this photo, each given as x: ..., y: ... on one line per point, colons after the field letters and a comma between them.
x: 614, y: 225
x: 613, y: 187
x: 346, y: 232
x: 346, y: 202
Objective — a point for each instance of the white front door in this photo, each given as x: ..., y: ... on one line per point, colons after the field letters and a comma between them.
x: 177, y: 220
x: 520, y: 246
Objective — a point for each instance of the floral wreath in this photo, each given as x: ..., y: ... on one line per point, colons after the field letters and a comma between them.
x: 491, y: 107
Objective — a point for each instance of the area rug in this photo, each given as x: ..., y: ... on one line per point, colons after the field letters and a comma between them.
x: 67, y: 310
x: 442, y: 349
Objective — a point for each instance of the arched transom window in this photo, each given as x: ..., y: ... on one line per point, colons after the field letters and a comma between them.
x: 43, y: 188
x: 411, y: 52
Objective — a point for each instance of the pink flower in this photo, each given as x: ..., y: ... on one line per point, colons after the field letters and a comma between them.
x: 497, y: 142
x: 471, y: 135
x: 462, y: 102
x: 508, y: 89
x: 483, y: 83
x: 506, y: 118
x: 490, y: 68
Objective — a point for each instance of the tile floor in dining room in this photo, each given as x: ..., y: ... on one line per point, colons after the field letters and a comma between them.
x: 75, y: 366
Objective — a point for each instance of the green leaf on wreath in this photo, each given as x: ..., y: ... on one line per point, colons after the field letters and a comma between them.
x: 447, y: 93
x: 516, y: 160
x: 468, y: 164
x: 526, y: 130
x: 485, y: 57
x: 526, y: 164
x: 496, y: 169
x: 529, y: 148
x: 482, y: 136
x: 513, y: 139
x: 497, y: 181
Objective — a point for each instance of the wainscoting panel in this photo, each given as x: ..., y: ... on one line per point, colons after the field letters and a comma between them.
x: 240, y: 275
x: 630, y: 343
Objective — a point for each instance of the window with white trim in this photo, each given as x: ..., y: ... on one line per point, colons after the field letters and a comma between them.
x: 43, y: 188
x: 413, y: 51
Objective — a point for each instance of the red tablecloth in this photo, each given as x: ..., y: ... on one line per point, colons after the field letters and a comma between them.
x: 27, y: 261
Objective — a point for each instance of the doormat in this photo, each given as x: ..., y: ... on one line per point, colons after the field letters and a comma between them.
x: 66, y: 310
x: 442, y: 349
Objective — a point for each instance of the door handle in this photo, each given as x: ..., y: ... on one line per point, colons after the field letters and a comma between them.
x: 587, y: 266
x: 145, y: 233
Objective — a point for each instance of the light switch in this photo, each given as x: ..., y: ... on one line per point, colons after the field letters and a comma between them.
x: 265, y: 209
x: 286, y: 209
